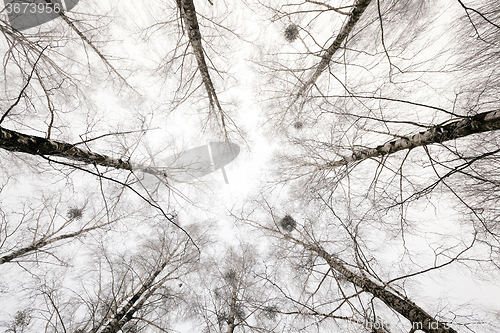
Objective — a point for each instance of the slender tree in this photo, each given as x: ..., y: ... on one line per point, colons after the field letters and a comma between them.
x: 189, y: 18
x: 128, y: 291
x: 385, y: 115
x: 343, y: 279
x: 385, y: 131
x: 38, y: 146
x: 233, y: 298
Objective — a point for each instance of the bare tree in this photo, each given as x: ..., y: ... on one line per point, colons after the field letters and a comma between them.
x: 189, y: 18
x: 50, y: 84
x: 172, y: 267
x: 386, y: 118
x: 197, y: 37
x: 126, y: 292
x: 34, y: 145
x: 358, y: 9
x: 337, y: 279
x: 231, y: 296
x: 387, y: 132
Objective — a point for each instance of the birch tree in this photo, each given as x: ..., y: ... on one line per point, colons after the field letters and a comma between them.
x: 198, y: 33
x: 397, y: 124
x: 335, y: 273
x: 232, y: 297
x: 52, y: 125
x: 125, y: 291
x: 386, y: 100
x: 386, y: 118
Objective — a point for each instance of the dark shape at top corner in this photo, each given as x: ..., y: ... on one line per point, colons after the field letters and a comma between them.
x: 24, y: 14
x: 70, y: 4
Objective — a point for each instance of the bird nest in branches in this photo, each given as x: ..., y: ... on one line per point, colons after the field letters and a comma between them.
x: 288, y: 223
x: 75, y: 213
x: 231, y: 277
x: 298, y: 125
x: 270, y: 311
x: 291, y: 33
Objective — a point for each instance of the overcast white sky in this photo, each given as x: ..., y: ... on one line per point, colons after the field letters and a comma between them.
x: 136, y: 52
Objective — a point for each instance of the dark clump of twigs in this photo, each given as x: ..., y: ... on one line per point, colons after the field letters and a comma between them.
x: 288, y: 223
x: 75, y: 213
x: 239, y: 312
x: 298, y: 125
x: 291, y: 33
x: 270, y: 311
x: 231, y: 277
x: 222, y: 317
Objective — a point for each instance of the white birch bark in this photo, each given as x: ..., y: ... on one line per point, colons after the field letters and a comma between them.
x: 326, y: 57
x: 416, y: 315
x: 482, y: 122
x: 35, y: 145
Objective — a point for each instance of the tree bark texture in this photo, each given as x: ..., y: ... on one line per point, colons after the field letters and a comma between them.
x: 231, y: 321
x: 133, y: 304
x: 38, y: 245
x: 482, y: 122
x: 327, y: 55
x: 35, y: 145
x: 419, y: 319
x: 188, y: 15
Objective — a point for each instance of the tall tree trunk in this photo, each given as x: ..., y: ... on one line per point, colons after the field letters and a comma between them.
x: 35, y: 145
x: 39, y: 244
x: 326, y: 57
x: 231, y: 320
x: 133, y: 304
x: 188, y: 16
x: 419, y: 319
x: 482, y: 122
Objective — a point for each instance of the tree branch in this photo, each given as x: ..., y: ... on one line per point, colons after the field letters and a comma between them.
x: 6, y: 113
x: 326, y: 57
x: 416, y: 315
x: 482, y: 122
x: 35, y: 145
